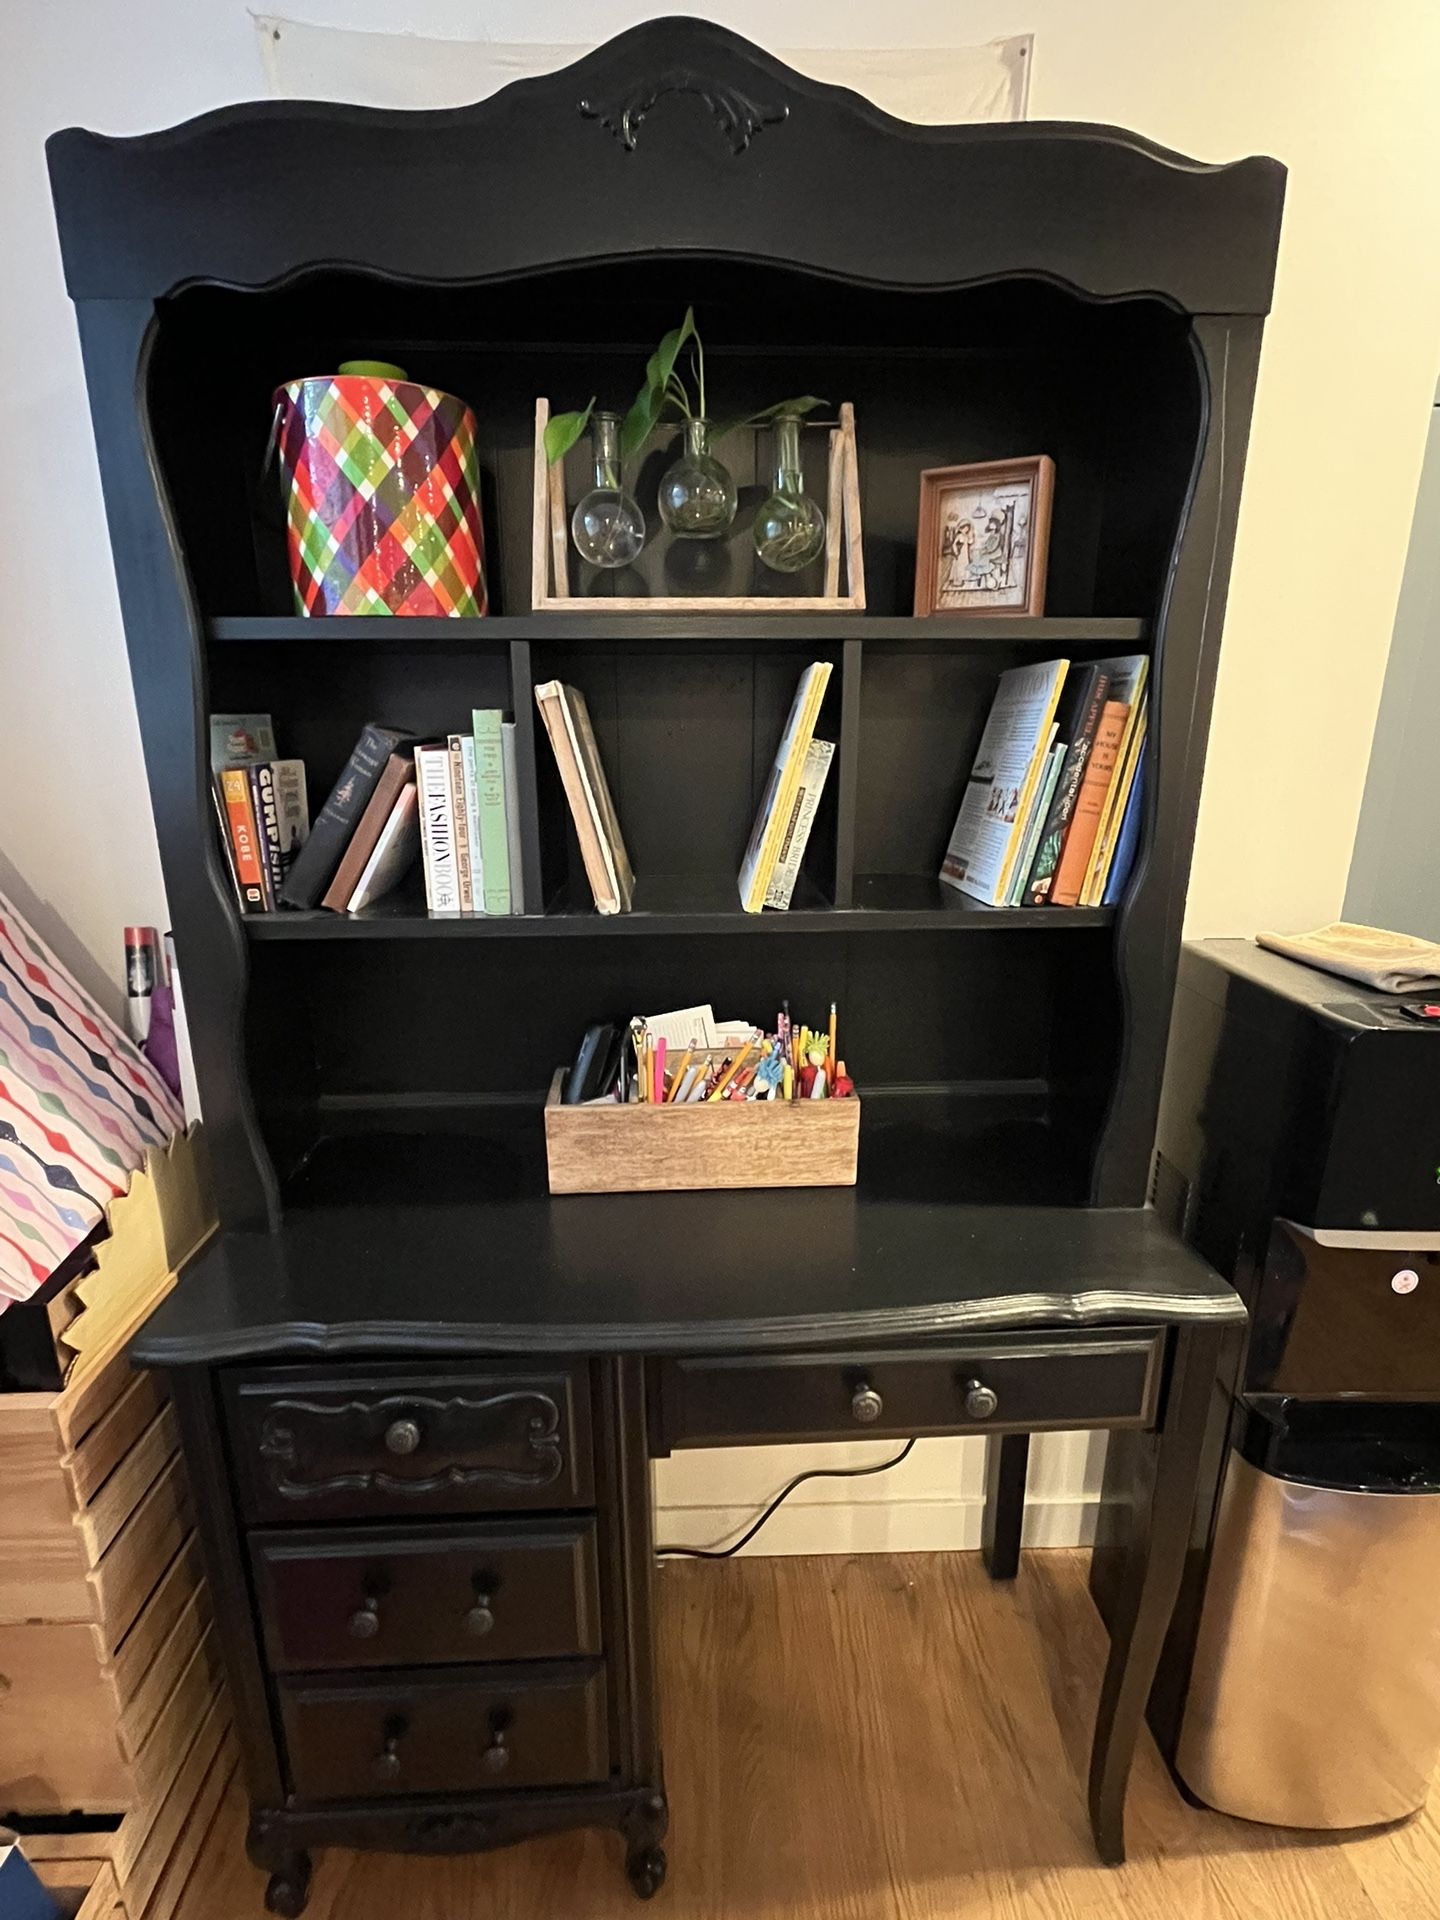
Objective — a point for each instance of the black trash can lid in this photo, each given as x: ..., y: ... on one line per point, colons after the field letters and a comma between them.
x: 1353, y: 1446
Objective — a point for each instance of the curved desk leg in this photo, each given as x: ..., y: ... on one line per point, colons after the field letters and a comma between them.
x: 1170, y: 1462
x: 1007, y: 1458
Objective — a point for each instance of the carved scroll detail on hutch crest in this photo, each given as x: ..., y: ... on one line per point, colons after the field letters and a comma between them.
x: 737, y: 115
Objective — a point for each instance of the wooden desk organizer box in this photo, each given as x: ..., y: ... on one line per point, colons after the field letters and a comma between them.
x: 111, y: 1700
x: 667, y: 1148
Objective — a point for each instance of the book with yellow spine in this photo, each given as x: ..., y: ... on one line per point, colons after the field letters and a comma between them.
x: 758, y: 867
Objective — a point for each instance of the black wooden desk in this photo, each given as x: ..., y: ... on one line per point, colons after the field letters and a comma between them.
x: 421, y: 1437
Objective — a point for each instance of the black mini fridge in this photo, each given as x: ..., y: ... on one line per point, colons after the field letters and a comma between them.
x: 1299, y: 1148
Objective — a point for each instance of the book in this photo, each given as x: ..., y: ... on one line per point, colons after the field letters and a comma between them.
x: 240, y: 739
x: 460, y: 748
x: 398, y: 773
x: 314, y: 866
x: 227, y: 845
x: 292, y: 804
x: 1127, y: 840
x: 267, y: 827
x: 1391, y: 962
x: 602, y: 846
x: 1077, y: 718
x: 985, y: 843
x: 511, y: 768
x: 793, y: 841
x: 234, y: 785
x: 1039, y: 809
x: 490, y: 807
x: 758, y: 865
x: 1112, y: 819
x: 394, y: 853
x: 472, y: 823
x: 437, y: 830
x: 1129, y: 679
x: 1085, y: 820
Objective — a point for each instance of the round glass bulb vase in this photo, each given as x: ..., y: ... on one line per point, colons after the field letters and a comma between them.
x: 789, y: 527
x: 697, y: 494
x: 607, y: 525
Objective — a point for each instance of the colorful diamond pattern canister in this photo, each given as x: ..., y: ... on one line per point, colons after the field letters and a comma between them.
x: 383, y: 488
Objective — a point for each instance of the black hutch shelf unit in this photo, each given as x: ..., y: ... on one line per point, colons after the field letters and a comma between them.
x: 1125, y: 346
x: 977, y: 292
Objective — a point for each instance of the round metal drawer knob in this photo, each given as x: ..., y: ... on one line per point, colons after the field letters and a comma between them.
x: 402, y: 1436
x: 365, y: 1621
x: 866, y: 1405
x: 386, y: 1764
x: 480, y: 1620
x: 980, y: 1400
x: 496, y: 1757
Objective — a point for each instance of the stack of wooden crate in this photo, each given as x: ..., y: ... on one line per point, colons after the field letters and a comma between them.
x: 111, y: 1702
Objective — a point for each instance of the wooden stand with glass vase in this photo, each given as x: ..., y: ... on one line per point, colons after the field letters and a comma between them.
x: 556, y: 561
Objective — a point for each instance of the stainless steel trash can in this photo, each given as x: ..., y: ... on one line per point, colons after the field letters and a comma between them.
x: 1315, y: 1693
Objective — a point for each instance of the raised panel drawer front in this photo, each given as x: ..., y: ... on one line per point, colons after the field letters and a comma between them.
x: 451, y: 1730
x: 412, y: 1596
x: 1063, y: 1382
x: 334, y: 1444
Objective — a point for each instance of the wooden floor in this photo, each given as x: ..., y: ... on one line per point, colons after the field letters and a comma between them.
x: 888, y: 1735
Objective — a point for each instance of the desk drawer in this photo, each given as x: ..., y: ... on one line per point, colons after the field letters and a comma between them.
x: 451, y: 1730
x: 1081, y: 1382
x: 327, y: 1443
x: 413, y: 1596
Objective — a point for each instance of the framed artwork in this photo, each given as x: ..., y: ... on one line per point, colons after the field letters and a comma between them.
x: 984, y: 537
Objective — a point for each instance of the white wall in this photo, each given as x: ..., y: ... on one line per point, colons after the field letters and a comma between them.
x: 1395, y: 867
x: 1345, y: 98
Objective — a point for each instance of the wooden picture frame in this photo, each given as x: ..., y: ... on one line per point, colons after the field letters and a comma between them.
x: 944, y: 574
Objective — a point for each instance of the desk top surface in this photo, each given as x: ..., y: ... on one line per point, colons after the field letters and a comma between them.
x: 671, y: 1273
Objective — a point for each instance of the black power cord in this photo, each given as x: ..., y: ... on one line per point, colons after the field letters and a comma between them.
x: 813, y: 1473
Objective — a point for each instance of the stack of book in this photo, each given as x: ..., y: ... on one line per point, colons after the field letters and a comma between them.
x: 1051, y: 812
x: 261, y: 807
x: 450, y: 805
x: 587, y: 792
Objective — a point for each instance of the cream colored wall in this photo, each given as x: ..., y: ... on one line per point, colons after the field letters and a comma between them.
x: 1344, y: 97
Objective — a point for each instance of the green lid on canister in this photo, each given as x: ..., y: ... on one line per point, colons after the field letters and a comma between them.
x: 373, y: 370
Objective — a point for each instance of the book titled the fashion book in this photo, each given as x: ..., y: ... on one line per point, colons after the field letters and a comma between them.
x: 438, y: 829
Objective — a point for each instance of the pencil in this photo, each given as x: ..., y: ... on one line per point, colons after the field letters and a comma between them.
x: 732, y: 1070
x: 831, y: 1057
x: 679, y: 1074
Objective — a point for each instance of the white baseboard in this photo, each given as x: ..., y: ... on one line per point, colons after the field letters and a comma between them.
x: 871, y: 1526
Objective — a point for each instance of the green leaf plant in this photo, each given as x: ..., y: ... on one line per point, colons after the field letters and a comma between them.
x: 666, y: 391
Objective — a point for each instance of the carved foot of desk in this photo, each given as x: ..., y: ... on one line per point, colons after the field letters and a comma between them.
x: 645, y: 1861
x: 288, y: 1866
x: 286, y: 1893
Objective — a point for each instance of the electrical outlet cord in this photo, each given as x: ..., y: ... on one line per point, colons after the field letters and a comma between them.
x: 813, y: 1473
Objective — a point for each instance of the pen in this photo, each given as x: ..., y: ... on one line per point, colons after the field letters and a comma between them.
x: 660, y: 1072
